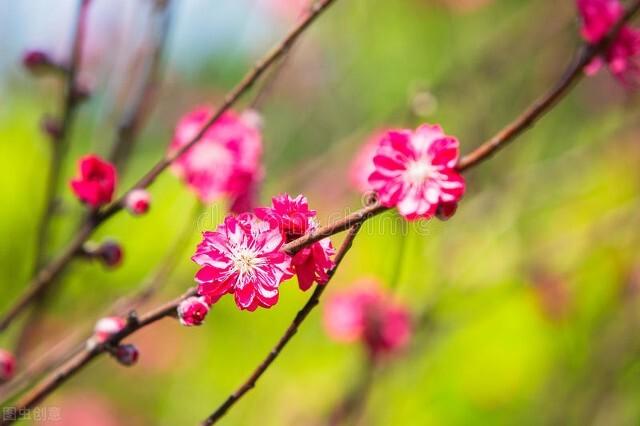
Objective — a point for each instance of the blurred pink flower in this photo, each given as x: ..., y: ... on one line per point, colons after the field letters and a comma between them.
x: 294, y: 219
x: 193, y: 311
x: 415, y: 171
x: 362, y: 165
x: 365, y: 313
x: 225, y: 162
x: 242, y: 257
x: 623, y: 56
x: 95, y: 182
x: 7, y: 365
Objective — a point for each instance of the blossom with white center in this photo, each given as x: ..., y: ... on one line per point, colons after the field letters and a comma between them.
x: 415, y: 171
x: 242, y: 257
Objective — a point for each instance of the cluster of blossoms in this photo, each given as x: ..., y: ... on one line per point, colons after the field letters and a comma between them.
x: 412, y: 170
x: 623, y: 55
x: 366, y: 314
x: 225, y: 162
x: 243, y: 257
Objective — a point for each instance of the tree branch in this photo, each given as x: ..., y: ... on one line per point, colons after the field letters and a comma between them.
x: 286, y: 337
x: 75, y: 364
x: 539, y: 108
x: 53, y: 269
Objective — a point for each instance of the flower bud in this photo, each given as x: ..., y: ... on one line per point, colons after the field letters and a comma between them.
x: 107, y: 327
x: 38, y: 62
x: 51, y: 126
x: 137, y: 202
x: 7, y: 365
x: 446, y: 210
x: 192, y: 311
x: 126, y: 354
x: 110, y: 253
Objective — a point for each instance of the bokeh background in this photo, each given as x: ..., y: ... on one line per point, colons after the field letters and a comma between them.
x: 526, y: 301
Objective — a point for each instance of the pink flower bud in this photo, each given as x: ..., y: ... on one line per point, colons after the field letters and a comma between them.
x: 192, y: 311
x: 107, y: 327
x: 110, y: 253
x: 138, y: 201
x: 38, y: 62
x: 126, y: 354
x: 7, y: 365
x: 446, y: 210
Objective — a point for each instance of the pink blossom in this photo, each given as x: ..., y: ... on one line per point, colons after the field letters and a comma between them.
x: 225, y: 162
x: 95, y: 182
x: 623, y: 55
x: 137, y: 202
x: 107, y: 327
x: 294, y: 219
x: 242, y: 257
x: 7, y: 365
x: 192, y: 311
x: 415, y: 171
x: 362, y: 165
x: 365, y: 313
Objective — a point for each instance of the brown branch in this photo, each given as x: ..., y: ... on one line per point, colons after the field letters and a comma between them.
x: 60, y: 139
x: 59, y: 142
x: 124, y: 141
x: 525, y: 121
x: 53, y: 269
x: 352, y: 221
x: 539, y: 108
x: 72, y: 344
x: 75, y: 364
x: 138, y: 110
x: 77, y: 360
x: 286, y: 337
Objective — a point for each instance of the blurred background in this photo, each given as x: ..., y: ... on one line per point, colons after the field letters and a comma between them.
x: 525, y: 303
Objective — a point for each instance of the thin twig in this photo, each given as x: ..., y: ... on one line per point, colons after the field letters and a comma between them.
x: 53, y: 269
x: 286, y: 337
x: 522, y: 123
x: 59, y: 142
x: 60, y: 376
x: 60, y: 139
x: 352, y: 221
x: 125, y: 139
x: 540, y: 107
x: 138, y: 110
x: 71, y: 345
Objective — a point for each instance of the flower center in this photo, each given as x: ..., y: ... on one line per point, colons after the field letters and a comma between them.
x: 418, y: 171
x: 245, y: 260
